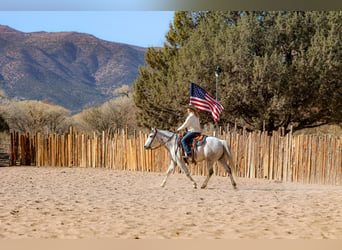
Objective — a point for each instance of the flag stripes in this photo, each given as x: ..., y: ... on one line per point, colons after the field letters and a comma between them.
x: 204, y: 101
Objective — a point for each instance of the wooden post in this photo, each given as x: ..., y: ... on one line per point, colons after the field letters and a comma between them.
x: 12, y: 159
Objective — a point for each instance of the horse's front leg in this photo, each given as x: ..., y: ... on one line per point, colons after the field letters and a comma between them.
x: 168, y: 172
x: 187, y: 173
x: 210, y: 173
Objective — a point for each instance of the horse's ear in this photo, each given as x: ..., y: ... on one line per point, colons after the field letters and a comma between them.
x: 153, y: 129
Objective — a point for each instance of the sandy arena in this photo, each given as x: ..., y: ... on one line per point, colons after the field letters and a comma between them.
x: 80, y: 203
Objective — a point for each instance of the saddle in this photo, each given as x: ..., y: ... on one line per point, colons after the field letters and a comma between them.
x: 196, y: 141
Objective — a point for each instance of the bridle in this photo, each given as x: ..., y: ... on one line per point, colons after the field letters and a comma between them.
x: 162, y: 144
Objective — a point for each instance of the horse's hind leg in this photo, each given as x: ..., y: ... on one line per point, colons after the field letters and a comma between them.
x: 210, y: 173
x: 229, y: 171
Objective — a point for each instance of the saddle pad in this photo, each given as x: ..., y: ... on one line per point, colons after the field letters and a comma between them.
x: 201, y: 140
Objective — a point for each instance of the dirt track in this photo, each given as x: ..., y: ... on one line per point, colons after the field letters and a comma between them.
x: 63, y: 203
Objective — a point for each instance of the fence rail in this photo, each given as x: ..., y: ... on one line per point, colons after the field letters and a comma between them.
x: 303, y: 158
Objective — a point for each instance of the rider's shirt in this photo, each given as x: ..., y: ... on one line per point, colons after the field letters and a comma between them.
x: 191, y: 123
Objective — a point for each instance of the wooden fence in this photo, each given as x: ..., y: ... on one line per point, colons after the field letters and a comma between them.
x: 4, y: 150
x: 304, y: 158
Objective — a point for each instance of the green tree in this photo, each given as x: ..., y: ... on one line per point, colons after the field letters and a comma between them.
x: 157, y: 90
x: 280, y: 69
x: 3, y: 124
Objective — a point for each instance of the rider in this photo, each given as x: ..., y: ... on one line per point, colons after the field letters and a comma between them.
x: 192, y: 123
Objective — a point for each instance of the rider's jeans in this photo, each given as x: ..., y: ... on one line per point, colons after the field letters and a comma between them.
x: 186, y: 140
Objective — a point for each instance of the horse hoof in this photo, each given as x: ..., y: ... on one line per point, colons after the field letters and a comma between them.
x: 195, y: 186
x: 203, y: 187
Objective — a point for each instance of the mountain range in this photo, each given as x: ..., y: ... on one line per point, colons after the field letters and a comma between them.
x: 70, y: 69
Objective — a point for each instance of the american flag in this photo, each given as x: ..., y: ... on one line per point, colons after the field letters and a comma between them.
x: 204, y: 101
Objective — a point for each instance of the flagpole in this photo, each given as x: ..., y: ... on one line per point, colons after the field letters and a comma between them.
x: 218, y: 70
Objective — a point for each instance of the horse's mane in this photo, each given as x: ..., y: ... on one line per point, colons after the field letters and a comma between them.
x: 166, y: 132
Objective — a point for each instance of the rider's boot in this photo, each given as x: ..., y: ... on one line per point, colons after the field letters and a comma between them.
x: 187, y: 158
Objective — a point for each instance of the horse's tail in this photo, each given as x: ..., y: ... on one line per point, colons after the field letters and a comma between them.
x: 229, y: 155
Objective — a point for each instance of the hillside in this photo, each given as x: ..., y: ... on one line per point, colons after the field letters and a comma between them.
x: 70, y: 69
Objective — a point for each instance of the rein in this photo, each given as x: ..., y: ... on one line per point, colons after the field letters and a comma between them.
x: 162, y: 144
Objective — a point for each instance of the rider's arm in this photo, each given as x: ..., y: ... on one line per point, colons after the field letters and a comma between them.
x: 186, y: 123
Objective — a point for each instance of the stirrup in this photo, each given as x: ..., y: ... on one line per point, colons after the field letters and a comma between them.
x: 185, y: 158
x: 188, y: 158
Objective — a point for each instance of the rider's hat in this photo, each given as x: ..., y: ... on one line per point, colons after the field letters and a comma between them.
x: 192, y: 107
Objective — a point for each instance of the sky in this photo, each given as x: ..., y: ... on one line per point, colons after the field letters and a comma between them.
x: 137, y: 22
x: 96, y: 5
x: 140, y: 28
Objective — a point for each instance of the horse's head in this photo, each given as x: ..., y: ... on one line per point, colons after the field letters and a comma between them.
x: 151, y: 139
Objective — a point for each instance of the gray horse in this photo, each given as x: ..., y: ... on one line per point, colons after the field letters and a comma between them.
x: 214, y: 149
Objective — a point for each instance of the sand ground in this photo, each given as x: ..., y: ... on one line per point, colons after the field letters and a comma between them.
x: 84, y: 203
